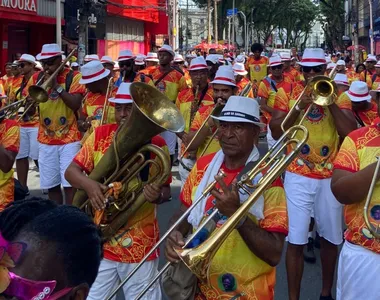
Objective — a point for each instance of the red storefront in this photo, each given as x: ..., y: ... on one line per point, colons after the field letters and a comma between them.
x: 25, y: 25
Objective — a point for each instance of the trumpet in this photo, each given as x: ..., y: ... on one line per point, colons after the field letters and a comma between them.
x: 199, y: 259
x: 373, y: 230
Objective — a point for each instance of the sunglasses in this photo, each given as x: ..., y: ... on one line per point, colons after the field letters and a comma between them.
x: 21, y: 65
x: 278, y: 67
x: 316, y: 69
x: 126, y: 64
x: 49, y: 62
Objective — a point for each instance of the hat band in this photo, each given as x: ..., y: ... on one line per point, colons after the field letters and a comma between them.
x: 275, y: 63
x: 50, y: 53
x: 321, y: 60
x: 93, y: 75
x: 340, y: 81
x: 240, y: 71
x: 225, y: 79
x: 198, y: 66
x: 358, y: 95
x: 122, y: 96
x: 239, y: 114
x: 151, y: 57
x: 125, y: 56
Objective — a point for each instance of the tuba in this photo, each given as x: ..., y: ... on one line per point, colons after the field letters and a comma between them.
x: 152, y: 113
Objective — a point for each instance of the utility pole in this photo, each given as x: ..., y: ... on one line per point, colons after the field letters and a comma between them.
x: 233, y: 23
x: 58, y: 22
x: 174, y: 25
x: 208, y: 21
x: 215, y: 23
x: 83, y: 14
x: 355, y: 20
x: 187, y: 25
x: 371, y: 26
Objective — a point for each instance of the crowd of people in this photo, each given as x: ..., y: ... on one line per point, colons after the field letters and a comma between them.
x: 53, y: 250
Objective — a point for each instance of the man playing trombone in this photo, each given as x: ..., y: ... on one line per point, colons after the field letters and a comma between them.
x: 307, y: 180
x: 244, y: 265
x: 130, y: 244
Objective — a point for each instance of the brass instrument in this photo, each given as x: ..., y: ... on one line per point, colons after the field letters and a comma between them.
x: 152, y: 113
x: 198, y: 259
x: 373, y: 230
x: 246, y: 90
x: 10, y: 110
x: 106, y: 103
x: 39, y: 93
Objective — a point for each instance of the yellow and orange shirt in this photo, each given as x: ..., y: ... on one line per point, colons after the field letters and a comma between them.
x: 94, y: 103
x: 242, y: 84
x: 6, y: 83
x: 58, y: 123
x: 133, y: 241
x: 235, y: 269
x: 148, y: 70
x: 13, y: 87
x: 316, y: 157
x: 367, y: 116
x: 360, y: 149
x: 268, y: 92
x: 28, y: 120
x: 257, y: 68
x: 366, y: 76
x: 200, y: 117
x: 189, y: 83
x: 293, y: 75
x: 376, y: 82
x: 173, y: 83
x: 10, y: 140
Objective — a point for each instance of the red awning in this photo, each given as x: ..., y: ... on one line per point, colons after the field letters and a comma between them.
x: 144, y: 10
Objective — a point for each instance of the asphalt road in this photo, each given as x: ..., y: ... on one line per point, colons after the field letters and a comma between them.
x: 311, y: 282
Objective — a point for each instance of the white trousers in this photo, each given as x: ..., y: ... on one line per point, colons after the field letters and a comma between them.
x: 28, y: 143
x: 358, y: 273
x: 111, y: 273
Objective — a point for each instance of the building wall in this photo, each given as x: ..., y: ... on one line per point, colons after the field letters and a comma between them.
x: 196, y: 22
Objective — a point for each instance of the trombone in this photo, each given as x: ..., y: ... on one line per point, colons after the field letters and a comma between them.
x: 372, y: 229
x: 199, y: 259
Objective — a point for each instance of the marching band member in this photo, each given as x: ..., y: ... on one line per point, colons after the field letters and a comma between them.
x: 151, y: 62
x: 141, y: 232
x: 353, y: 171
x: 342, y: 83
x: 15, y: 84
x: 74, y: 66
x: 376, y: 77
x: 365, y: 111
x: 189, y: 102
x: 307, y: 180
x: 367, y: 74
x: 268, y: 89
x: 179, y: 62
x: 213, y: 64
x: 289, y: 72
x: 108, y: 64
x: 96, y: 79
x: 257, y: 64
x: 139, y: 63
x: 90, y: 57
x: 7, y: 78
x: 341, y: 66
x: 241, y: 80
x: 224, y: 86
x: 58, y: 133
x: 244, y: 266
x: 29, y: 123
x: 170, y: 82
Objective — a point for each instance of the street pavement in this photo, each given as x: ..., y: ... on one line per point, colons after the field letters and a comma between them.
x: 311, y: 282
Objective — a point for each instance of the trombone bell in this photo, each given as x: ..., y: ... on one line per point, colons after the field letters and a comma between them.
x: 38, y: 93
x: 324, y: 90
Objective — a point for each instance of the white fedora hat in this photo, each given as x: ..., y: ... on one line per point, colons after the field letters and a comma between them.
x: 191, y: 55
x: 240, y: 59
x: 239, y: 69
x: 92, y: 72
x: 74, y: 64
x: 377, y: 64
x: 140, y: 60
x: 152, y: 56
x: 340, y: 62
x: 38, y: 66
x: 178, y: 58
x: 285, y: 56
x: 313, y: 57
x: 167, y: 48
x: 107, y: 60
x: 213, y: 58
x: 49, y: 51
x: 198, y: 63
x: 275, y: 60
x: 331, y: 66
x: 241, y: 109
x: 116, y: 66
x: 224, y: 75
x: 371, y: 57
x: 328, y: 59
x: 27, y: 58
x: 125, y: 55
x: 91, y: 57
x: 341, y: 79
x: 374, y: 93
x: 123, y: 94
x: 358, y: 92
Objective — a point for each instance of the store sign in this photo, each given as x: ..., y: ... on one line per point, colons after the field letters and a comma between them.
x: 19, y: 6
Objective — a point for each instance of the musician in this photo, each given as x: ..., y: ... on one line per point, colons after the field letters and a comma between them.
x: 57, y: 250
x: 139, y: 63
x: 188, y: 102
x: 354, y: 168
x: 268, y: 89
x: 365, y: 110
x: 96, y: 79
x: 74, y: 66
x: 224, y: 86
x: 179, y: 63
x: 241, y: 80
x: 307, y: 180
x: 90, y: 57
x: 58, y: 133
x: 108, y: 64
x: 342, y: 83
x: 341, y: 66
x: 140, y: 234
x: 151, y: 62
x: 376, y: 77
x: 29, y: 123
x: 213, y: 64
x: 257, y: 64
x: 15, y: 83
x: 7, y: 78
x: 170, y: 82
x: 289, y: 72
x: 369, y: 71
x: 250, y: 253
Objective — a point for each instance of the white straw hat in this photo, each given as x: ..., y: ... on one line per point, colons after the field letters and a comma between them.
x: 125, y: 55
x: 123, y: 94
x: 341, y: 79
x: 241, y: 109
x: 74, y: 64
x: 313, y: 57
x: 371, y: 57
x: 198, y: 63
x: 27, y: 58
x: 275, y: 60
x: 38, y: 66
x: 178, y: 58
x: 212, y: 58
x: 240, y: 59
x: 140, y: 60
x: 377, y: 64
x: 167, y: 48
x: 285, y: 56
x: 331, y: 66
x: 107, y: 60
x: 49, y: 51
x: 152, y: 56
x: 239, y: 69
x: 358, y: 92
x: 92, y: 72
x: 91, y: 57
x: 340, y: 62
x: 224, y: 75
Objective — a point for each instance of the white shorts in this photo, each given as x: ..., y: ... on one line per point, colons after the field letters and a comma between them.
x: 357, y: 272
x: 170, y: 139
x: 53, y: 161
x: 111, y: 273
x: 28, y: 143
x: 183, y: 173
x: 302, y: 195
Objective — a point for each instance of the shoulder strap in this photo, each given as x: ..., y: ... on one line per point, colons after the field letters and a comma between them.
x: 163, y: 76
x: 272, y: 83
x: 179, y: 70
x: 374, y: 76
x: 69, y: 80
x: 142, y: 77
